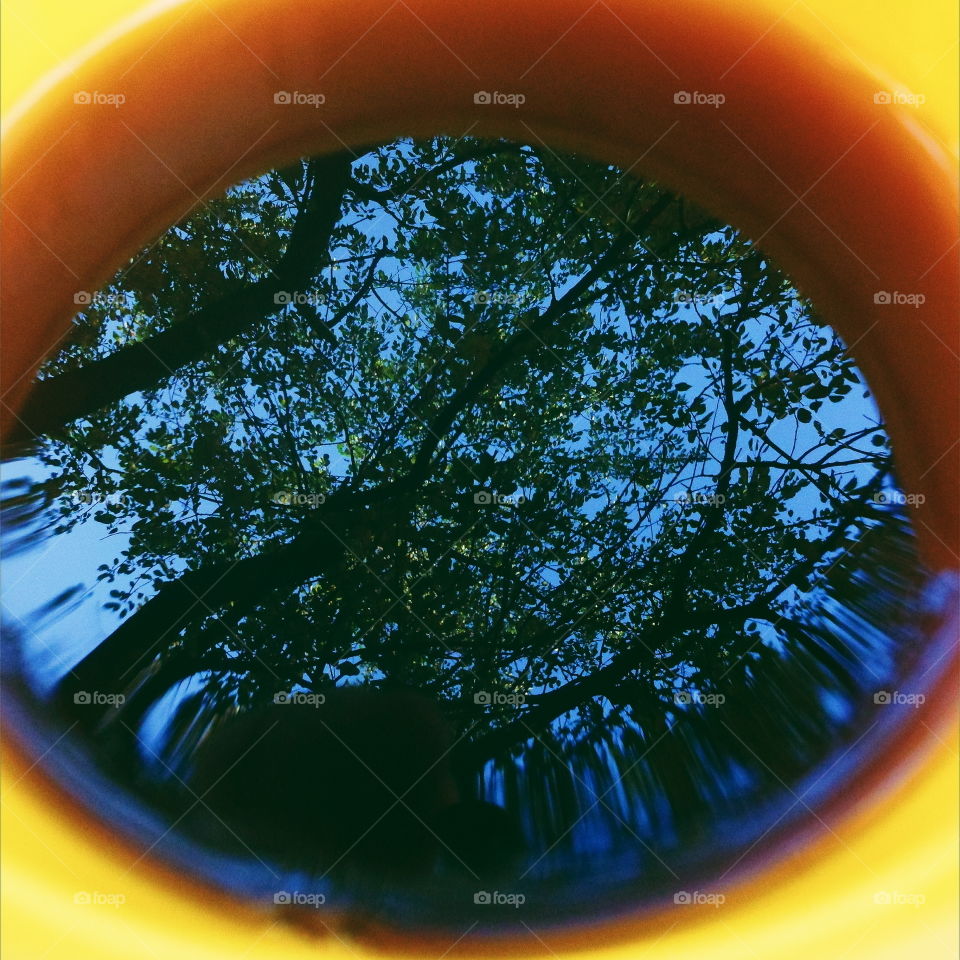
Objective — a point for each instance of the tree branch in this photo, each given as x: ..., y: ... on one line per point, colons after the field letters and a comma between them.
x: 202, y: 592
x: 525, y: 339
x: 78, y: 393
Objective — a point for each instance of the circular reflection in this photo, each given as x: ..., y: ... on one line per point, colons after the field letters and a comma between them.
x: 461, y: 529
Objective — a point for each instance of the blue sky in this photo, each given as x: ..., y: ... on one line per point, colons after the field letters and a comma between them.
x: 60, y: 563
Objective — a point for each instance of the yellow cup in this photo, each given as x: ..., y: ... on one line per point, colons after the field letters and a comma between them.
x: 834, y: 146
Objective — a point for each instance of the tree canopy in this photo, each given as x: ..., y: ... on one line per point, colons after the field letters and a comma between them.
x: 506, y: 426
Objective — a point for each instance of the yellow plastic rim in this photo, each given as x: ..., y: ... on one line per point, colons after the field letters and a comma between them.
x: 835, y: 147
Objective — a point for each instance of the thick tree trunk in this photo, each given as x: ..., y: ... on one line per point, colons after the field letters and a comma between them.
x: 116, y: 662
x: 78, y: 393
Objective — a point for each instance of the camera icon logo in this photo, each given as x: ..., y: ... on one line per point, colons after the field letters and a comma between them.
x: 483, y: 698
x: 483, y: 97
x: 681, y: 896
x: 83, y: 298
x: 682, y: 96
x: 282, y: 697
x: 883, y: 96
x: 682, y: 697
x: 483, y: 897
x: 483, y: 496
x: 82, y: 697
x: 82, y: 898
x: 882, y: 296
x: 883, y: 697
x: 283, y: 96
x: 284, y: 497
x: 82, y: 96
x: 281, y: 897
x: 282, y: 298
